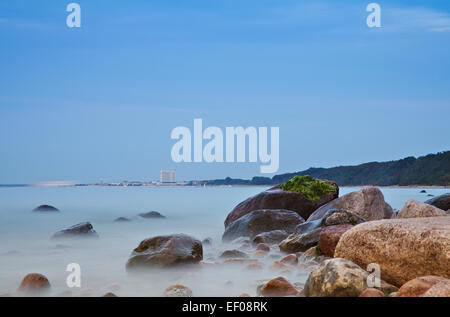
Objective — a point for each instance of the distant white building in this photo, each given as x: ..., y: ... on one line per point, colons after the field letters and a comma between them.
x: 167, y: 177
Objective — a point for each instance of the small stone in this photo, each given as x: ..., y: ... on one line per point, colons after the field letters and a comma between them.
x: 278, y: 287
x: 34, y: 282
x: 371, y: 292
x: 290, y: 259
x: 178, y: 291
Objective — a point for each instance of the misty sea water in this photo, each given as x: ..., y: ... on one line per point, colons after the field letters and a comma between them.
x: 26, y: 247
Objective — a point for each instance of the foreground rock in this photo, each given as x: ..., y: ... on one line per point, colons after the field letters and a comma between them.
x: 45, y: 208
x: 166, y: 251
x: 441, y: 289
x: 260, y: 221
x: 404, y: 248
x: 418, y: 286
x: 81, y: 230
x: 276, y: 198
x: 34, y: 282
x: 278, y: 287
x: 329, y: 238
x: 339, y: 278
x: 367, y: 203
x: 417, y: 209
x: 307, y: 234
x: 152, y: 215
x: 372, y: 292
x: 441, y: 202
x: 271, y: 237
x: 178, y: 291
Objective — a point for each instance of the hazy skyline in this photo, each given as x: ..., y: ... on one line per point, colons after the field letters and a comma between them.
x: 101, y: 101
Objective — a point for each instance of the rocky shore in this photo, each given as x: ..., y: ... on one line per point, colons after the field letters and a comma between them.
x: 355, y: 245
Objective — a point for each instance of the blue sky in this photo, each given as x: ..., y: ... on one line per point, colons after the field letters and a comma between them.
x: 101, y: 101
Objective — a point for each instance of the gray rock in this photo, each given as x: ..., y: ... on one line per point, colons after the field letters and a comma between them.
x: 441, y: 202
x: 271, y: 237
x: 166, y: 251
x: 81, y: 230
x: 45, y: 208
x: 260, y: 221
x: 367, y: 203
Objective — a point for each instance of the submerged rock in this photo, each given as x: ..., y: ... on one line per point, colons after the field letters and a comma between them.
x: 278, y: 287
x: 367, y: 203
x: 151, y: 215
x: 278, y: 199
x: 260, y: 221
x: 109, y: 294
x: 229, y: 254
x: 178, y: 291
x: 82, y: 230
x: 34, y: 282
x: 441, y: 202
x: 122, y: 219
x: 417, y: 209
x: 46, y: 208
x: 403, y: 248
x: 166, y: 251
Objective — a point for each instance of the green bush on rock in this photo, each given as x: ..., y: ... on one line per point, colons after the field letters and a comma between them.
x: 307, y: 186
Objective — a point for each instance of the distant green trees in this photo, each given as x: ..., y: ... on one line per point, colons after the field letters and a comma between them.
x: 432, y: 169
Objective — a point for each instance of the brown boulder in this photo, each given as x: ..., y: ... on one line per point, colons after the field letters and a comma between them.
x: 276, y: 198
x: 329, y: 238
x: 34, y: 282
x: 263, y: 247
x: 416, y: 209
x: 404, y: 248
x: 229, y: 254
x: 418, y: 286
x: 441, y: 289
x: 259, y: 221
x: 278, y: 287
x: 368, y: 203
x: 165, y: 251
x: 372, y: 292
x: 290, y: 259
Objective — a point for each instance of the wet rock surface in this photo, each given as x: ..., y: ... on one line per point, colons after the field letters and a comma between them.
x: 81, y: 230
x: 260, y: 221
x: 166, y: 251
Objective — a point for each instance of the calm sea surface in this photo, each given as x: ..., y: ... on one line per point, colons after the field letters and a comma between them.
x: 25, y: 244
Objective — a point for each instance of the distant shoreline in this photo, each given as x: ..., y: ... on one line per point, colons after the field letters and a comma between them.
x: 221, y: 186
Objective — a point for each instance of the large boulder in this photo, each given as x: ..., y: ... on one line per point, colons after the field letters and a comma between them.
x: 368, y: 203
x: 45, y: 208
x: 441, y: 202
x: 403, y: 248
x: 276, y: 198
x: 166, y: 251
x: 259, y: 221
x: 417, y: 209
x: 81, y: 230
x: 307, y: 234
x: 329, y: 238
x: 339, y: 278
